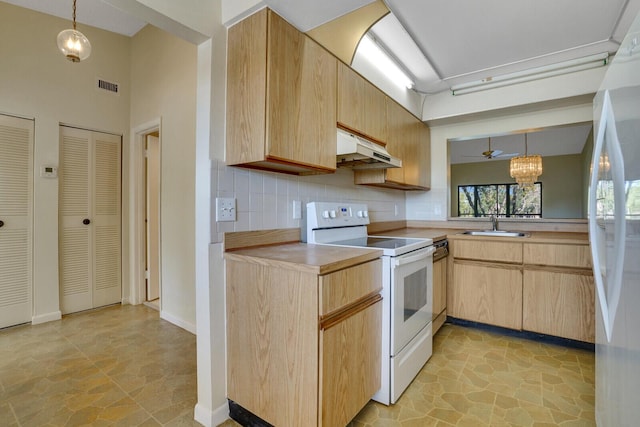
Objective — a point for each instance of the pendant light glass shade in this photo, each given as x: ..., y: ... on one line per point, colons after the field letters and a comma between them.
x: 526, y: 169
x: 72, y: 43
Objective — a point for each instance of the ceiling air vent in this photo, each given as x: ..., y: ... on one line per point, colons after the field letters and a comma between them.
x: 108, y: 86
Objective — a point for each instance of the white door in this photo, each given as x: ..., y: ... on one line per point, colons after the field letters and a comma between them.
x: 16, y: 183
x: 152, y: 217
x: 90, y: 232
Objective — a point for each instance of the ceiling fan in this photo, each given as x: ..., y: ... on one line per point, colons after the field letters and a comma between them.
x: 492, y: 154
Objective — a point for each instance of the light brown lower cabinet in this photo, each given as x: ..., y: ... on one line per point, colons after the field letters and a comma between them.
x: 559, y: 303
x: 350, y: 365
x: 303, y: 349
x: 486, y: 293
x: 540, y: 287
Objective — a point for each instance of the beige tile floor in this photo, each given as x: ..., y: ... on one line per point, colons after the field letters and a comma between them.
x: 477, y: 378
x: 123, y: 366
x: 119, y: 365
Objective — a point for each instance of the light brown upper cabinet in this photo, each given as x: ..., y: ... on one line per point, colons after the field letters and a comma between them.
x: 281, y: 98
x: 408, y: 139
x: 362, y: 107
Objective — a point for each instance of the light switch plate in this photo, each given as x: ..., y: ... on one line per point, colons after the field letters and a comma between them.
x: 297, y: 209
x: 225, y: 209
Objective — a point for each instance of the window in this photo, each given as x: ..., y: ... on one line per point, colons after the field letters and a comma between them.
x: 505, y: 200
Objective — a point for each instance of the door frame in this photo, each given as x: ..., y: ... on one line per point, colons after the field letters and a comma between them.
x: 137, y: 203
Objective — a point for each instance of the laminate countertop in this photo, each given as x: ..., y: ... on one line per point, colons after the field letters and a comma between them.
x: 316, y: 259
x: 452, y: 233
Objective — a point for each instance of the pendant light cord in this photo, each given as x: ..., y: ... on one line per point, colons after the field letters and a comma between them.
x: 74, y: 14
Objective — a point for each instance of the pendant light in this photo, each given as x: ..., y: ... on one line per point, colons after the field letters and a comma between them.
x: 526, y: 169
x: 72, y: 43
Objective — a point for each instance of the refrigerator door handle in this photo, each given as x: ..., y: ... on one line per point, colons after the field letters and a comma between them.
x: 604, y: 269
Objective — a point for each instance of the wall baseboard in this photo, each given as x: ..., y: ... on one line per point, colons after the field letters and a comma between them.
x: 210, y: 418
x: 125, y: 301
x: 178, y: 322
x: 48, y: 317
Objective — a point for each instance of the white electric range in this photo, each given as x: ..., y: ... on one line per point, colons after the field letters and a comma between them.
x: 407, y: 288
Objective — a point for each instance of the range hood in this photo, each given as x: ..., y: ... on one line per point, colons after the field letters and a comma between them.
x: 356, y: 152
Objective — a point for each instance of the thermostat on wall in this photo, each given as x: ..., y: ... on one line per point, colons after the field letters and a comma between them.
x: 48, y: 171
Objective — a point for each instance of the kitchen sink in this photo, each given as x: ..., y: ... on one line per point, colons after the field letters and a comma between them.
x: 495, y: 233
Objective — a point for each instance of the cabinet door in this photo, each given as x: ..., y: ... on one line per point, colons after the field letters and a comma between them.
x: 487, y: 294
x: 246, y: 90
x: 362, y: 107
x: 301, y: 98
x: 375, y: 113
x: 424, y: 155
x: 351, y: 102
x: 350, y: 365
x: 559, y: 304
x: 439, y: 286
x: 272, y: 342
x: 398, y: 129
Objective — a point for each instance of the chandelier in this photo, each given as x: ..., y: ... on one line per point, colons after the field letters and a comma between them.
x: 72, y: 43
x: 526, y: 169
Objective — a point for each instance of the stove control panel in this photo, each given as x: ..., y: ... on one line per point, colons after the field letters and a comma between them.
x: 334, y: 215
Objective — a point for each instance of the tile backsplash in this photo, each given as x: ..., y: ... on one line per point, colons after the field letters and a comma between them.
x: 264, y: 200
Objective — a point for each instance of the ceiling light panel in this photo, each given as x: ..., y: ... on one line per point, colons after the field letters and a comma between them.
x: 467, y: 36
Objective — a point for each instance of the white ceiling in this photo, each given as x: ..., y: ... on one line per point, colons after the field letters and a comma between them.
x: 443, y: 43
x: 88, y: 12
x: 468, y: 40
x: 555, y: 141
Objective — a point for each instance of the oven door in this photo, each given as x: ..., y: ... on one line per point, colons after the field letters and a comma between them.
x: 411, y: 295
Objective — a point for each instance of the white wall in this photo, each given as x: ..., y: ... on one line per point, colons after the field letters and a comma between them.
x: 163, y: 82
x: 38, y: 82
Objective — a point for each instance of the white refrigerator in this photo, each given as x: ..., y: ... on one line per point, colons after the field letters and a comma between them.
x: 614, y: 233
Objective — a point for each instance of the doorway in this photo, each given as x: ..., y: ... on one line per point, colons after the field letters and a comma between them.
x: 152, y: 219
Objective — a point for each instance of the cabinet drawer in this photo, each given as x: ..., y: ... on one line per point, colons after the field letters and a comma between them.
x: 557, y: 255
x: 487, y: 250
x: 344, y: 287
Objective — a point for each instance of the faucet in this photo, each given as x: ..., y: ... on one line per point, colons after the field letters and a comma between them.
x: 494, y: 222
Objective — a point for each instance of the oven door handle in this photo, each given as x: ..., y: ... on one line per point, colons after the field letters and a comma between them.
x: 402, y: 260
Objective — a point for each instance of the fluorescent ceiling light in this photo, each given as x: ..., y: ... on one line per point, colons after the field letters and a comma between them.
x: 537, y: 73
x: 378, y: 57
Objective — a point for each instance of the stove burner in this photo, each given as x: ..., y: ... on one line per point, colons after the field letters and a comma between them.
x: 377, y: 242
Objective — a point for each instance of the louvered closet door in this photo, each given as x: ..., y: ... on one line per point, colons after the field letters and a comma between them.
x: 106, y: 209
x: 90, y: 264
x: 16, y: 183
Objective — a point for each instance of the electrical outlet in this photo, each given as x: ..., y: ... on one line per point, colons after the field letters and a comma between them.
x: 225, y: 209
x: 297, y: 209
